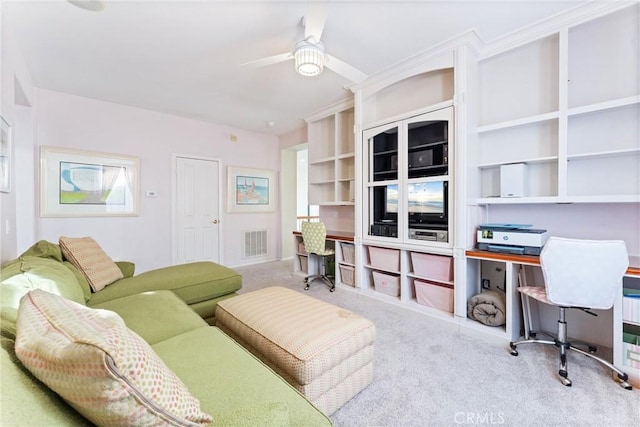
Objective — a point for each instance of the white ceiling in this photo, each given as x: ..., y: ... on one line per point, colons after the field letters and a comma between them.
x: 183, y: 57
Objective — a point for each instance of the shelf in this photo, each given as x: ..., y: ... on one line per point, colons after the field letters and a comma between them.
x: 430, y: 279
x: 603, y: 154
x: 602, y: 106
x: 527, y: 161
x: 623, y: 198
x: 321, y: 161
x: 519, y: 122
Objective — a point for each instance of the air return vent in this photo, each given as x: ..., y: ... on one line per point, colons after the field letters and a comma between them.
x: 255, y: 243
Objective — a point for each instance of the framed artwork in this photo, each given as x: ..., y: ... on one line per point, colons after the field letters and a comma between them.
x: 5, y: 156
x: 76, y: 183
x: 250, y: 190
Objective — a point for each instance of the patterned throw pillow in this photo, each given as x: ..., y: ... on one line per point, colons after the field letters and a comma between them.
x: 100, y: 367
x: 90, y: 259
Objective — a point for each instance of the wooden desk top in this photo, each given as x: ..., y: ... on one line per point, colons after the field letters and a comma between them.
x: 346, y: 236
x: 633, y: 270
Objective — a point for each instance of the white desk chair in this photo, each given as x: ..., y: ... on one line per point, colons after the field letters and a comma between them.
x: 582, y: 274
x: 314, y: 235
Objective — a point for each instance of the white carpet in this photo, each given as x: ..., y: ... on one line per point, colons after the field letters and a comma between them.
x: 427, y: 375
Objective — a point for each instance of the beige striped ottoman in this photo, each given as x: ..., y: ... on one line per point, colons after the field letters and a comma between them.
x: 322, y: 350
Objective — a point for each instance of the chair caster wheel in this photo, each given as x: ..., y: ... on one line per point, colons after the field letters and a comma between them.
x: 592, y: 349
x: 306, y: 288
x: 513, y: 350
x: 332, y: 289
x: 306, y: 280
x: 563, y: 377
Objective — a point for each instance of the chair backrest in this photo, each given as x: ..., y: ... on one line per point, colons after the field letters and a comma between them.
x: 584, y: 273
x: 313, y: 236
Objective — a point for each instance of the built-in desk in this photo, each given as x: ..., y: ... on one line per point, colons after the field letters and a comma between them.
x: 342, y: 243
x: 625, y: 355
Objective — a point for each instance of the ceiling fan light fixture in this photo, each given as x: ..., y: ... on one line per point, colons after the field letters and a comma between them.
x: 309, y: 58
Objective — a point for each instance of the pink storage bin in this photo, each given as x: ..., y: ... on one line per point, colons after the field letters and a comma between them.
x: 387, y: 284
x: 387, y: 259
x: 436, y: 295
x: 436, y: 267
x: 631, y: 350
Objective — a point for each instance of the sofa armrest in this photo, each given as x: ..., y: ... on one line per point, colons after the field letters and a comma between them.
x: 128, y: 268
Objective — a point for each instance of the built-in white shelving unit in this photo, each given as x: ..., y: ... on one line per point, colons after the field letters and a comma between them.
x: 567, y: 105
x: 332, y: 156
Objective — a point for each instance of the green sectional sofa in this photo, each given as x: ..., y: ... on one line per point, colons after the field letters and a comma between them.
x: 233, y: 386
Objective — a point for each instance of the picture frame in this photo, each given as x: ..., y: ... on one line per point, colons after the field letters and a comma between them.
x: 77, y: 183
x: 250, y: 190
x: 6, y: 156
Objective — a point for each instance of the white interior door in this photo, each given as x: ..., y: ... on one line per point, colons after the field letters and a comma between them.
x: 197, y: 198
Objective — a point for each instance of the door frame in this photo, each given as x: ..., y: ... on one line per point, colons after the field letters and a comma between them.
x: 174, y: 203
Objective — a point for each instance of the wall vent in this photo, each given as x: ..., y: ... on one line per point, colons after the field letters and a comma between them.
x: 255, y: 243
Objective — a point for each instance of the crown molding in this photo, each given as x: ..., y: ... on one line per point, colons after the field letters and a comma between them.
x: 552, y: 25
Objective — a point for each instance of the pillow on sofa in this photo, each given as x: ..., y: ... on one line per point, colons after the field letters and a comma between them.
x: 90, y: 259
x: 101, y: 368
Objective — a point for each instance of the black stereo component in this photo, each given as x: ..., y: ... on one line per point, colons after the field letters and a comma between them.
x: 387, y: 230
x: 420, y: 158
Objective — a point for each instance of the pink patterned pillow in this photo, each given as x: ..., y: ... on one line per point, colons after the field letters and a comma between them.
x: 88, y: 257
x: 100, y: 367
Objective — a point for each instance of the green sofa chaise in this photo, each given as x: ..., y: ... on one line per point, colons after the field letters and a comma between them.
x: 233, y: 386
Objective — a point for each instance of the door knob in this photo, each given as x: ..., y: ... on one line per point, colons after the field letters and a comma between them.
x: 215, y: 221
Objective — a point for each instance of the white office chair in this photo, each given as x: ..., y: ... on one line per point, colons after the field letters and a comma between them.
x: 314, y: 235
x: 582, y: 274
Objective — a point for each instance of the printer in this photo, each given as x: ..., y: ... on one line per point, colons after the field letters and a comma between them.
x: 519, y: 239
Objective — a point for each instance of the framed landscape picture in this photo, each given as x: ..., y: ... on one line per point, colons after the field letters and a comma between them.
x: 83, y: 183
x: 250, y: 190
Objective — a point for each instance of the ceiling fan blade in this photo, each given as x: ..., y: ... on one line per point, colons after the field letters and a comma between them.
x: 314, y: 20
x: 344, y: 69
x: 269, y: 60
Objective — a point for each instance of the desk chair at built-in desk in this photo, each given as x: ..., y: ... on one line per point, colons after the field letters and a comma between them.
x: 314, y: 235
x: 581, y: 274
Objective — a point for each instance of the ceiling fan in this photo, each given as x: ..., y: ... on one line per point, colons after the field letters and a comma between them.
x: 308, y: 54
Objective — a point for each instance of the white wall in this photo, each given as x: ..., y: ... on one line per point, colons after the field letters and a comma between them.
x: 16, y: 89
x: 69, y: 121
x: 578, y: 220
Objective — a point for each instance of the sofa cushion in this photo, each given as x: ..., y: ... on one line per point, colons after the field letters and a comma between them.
x: 87, y: 255
x: 26, y: 274
x: 246, y: 382
x: 44, y: 249
x: 156, y: 315
x: 105, y: 371
x: 26, y: 401
x: 192, y: 282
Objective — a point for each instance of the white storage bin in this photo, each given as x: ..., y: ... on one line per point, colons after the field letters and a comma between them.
x: 301, y: 248
x: 631, y: 350
x: 347, y: 274
x: 436, y: 267
x: 348, y: 253
x: 436, y: 295
x: 631, y: 306
x: 387, y: 259
x: 388, y: 284
x: 303, y: 264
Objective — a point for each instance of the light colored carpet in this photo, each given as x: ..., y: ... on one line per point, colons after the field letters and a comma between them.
x: 427, y: 375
